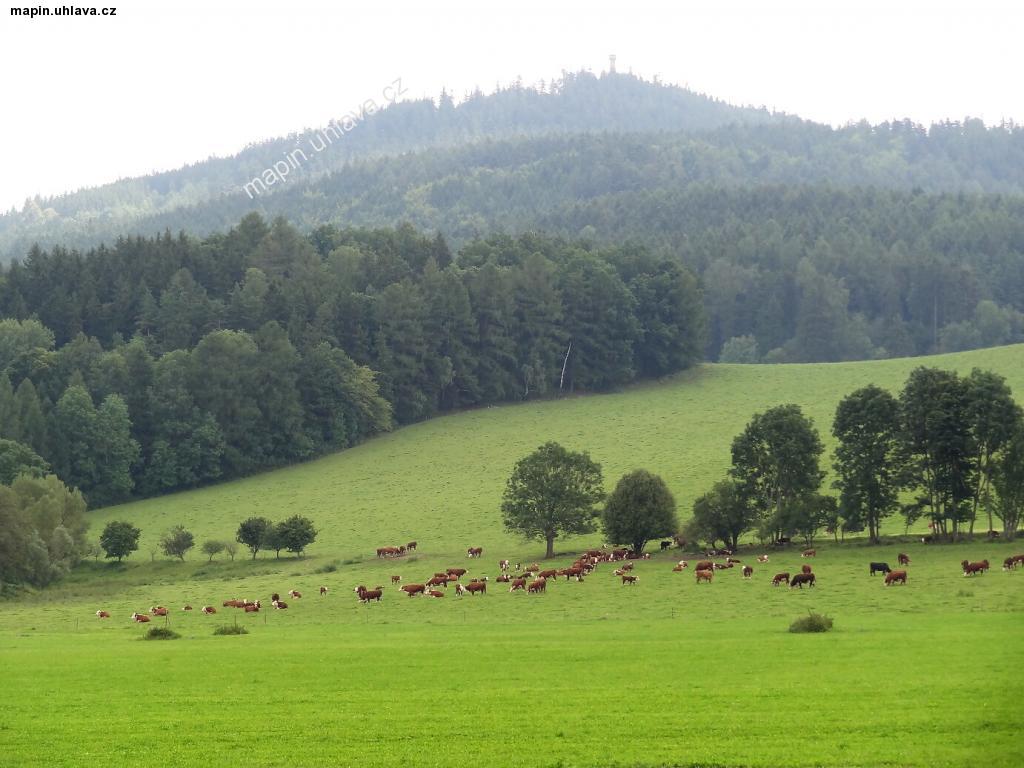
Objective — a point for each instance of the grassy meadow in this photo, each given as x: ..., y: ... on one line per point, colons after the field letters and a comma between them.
x: 665, y: 672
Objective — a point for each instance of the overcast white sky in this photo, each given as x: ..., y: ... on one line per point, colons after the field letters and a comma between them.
x: 167, y: 82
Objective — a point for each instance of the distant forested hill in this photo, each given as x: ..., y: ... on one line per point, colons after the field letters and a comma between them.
x: 575, y: 103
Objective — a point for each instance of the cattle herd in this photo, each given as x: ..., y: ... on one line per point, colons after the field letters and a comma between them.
x: 533, y: 580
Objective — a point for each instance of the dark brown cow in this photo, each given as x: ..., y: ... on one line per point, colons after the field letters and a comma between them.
x: 414, y: 589
x: 438, y: 581
x: 366, y: 595
x: 894, y: 577
x: 411, y: 546
x: 780, y: 578
x: 704, y: 574
x: 972, y: 568
x: 628, y: 579
x: 274, y: 597
x: 626, y: 567
x: 187, y: 608
x: 537, y: 586
x: 809, y: 553
x: 518, y: 584
x: 472, y: 588
x: 209, y: 610
x: 474, y: 551
x: 550, y: 573
x: 396, y: 579
x: 102, y: 615
x: 252, y: 608
x: 800, y: 579
x: 733, y: 560
x: 323, y: 591
x: 747, y: 571
x: 805, y: 569
x: 704, y: 565
x: 903, y: 558
x: 458, y: 573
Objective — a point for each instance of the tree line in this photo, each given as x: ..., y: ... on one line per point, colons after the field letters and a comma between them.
x: 948, y: 448
x: 166, y: 363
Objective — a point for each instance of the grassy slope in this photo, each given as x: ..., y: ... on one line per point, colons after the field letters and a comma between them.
x: 665, y: 672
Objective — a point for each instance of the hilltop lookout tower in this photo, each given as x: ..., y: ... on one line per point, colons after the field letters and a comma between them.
x: 611, y: 64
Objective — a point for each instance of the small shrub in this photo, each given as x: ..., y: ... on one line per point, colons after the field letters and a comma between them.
x: 812, y: 622
x: 327, y: 568
x: 161, y: 633
x: 231, y: 629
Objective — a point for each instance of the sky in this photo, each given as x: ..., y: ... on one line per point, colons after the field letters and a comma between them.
x: 87, y: 100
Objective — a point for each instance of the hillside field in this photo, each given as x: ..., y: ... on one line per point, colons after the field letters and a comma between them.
x: 661, y: 673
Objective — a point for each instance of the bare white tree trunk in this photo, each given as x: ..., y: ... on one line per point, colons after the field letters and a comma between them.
x: 561, y: 381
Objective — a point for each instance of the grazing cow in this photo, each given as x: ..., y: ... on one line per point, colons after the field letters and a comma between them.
x: 704, y: 565
x: 475, y: 587
x: 187, y: 608
x: 102, y: 615
x: 747, y: 571
x: 1009, y: 564
x: 704, y: 574
x: 279, y: 605
x: 504, y: 565
x: 141, y: 618
x: 800, y: 579
x: 518, y: 584
x: 780, y: 578
x: 366, y: 595
x: 879, y: 568
x: 414, y: 589
x: 294, y: 594
x: 809, y: 553
x: 474, y: 551
x: 158, y: 610
x: 805, y: 569
x: 627, y: 567
x: 252, y: 608
x: 396, y: 579
x: 438, y: 581
x: 209, y: 610
x: 903, y: 559
x: 628, y: 579
x: 548, y: 574
x: 536, y: 586
x: 680, y: 541
x: 411, y: 546
x: 456, y: 573
x: 972, y: 568
x: 323, y: 591
x: 895, y: 576
x: 665, y: 545
x: 575, y: 572
x: 762, y: 558
x: 435, y: 593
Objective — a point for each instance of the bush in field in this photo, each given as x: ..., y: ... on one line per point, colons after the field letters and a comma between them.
x: 119, y: 539
x: 812, y: 622
x: 213, y: 548
x: 231, y: 629
x: 161, y: 633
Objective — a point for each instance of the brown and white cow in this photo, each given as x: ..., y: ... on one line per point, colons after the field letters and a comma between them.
x: 780, y: 578
x: 628, y: 578
x: 704, y: 574
x: 473, y: 588
x: 518, y: 584
x: 704, y: 565
x: 209, y: 610
x: 102, y: 615
x: 141, y: 618
x: 438, y: 581
x: 366, y: 595
x: 414, y: 589
x: 762, y: 558
x: 474, y: 551
x: 747, y: 571
x: 294, y: 594
x: 252, y: 608
x: 435, y: 593
x: 158, y: 610
x: 903, y: 558
x: 504, y: 565
x: 187, y: 608
x: 536, y: 586
x: 809, y: 553
x: 280, y: 605
x: 396, y: 579
x: 323, y: 591
x: 456, y: 573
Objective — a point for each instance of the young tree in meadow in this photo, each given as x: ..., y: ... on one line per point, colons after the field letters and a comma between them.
x: 212, y: 547
x: 296, y: 533
x: 176, y: 542
x: 253, y: 533
x: 775, y: 460
x: 119, y: 539
x: 805, y: 515
x: 866, y: 462
x: 994, y: 418
x: 640, y: 508
x: 273, y: 541
x: 723, y: 513
x: 936, y: 438
x: 1007, y: 501
x: 551, y: 493
x: 231, y: 548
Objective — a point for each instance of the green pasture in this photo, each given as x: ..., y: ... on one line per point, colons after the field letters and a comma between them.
x: 665, y: 672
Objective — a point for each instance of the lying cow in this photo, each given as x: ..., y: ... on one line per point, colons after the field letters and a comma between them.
x: 747, y: 571
x: 102, y: 615
x: 209, y: 610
